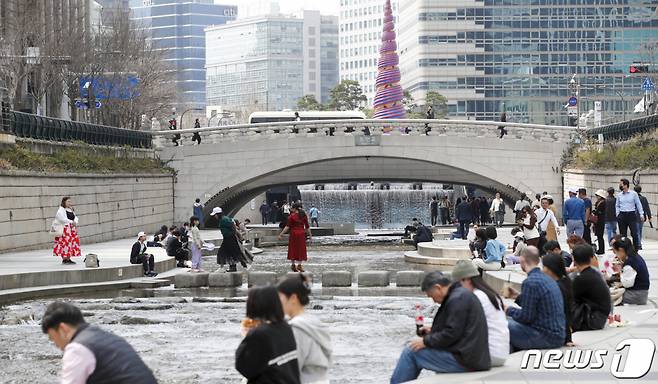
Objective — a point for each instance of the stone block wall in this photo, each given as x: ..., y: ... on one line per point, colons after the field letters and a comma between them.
x: 110, y: 207
x: 602, y: 179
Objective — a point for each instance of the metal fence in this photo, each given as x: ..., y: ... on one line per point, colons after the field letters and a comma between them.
x: 625, y: 129
x: 46, y: 128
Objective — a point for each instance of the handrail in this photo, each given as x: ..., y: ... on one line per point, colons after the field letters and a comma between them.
x: 364, y: 122
x: 47, y: 128
x: 625, y: 129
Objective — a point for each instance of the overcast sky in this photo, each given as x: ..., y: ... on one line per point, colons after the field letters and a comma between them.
x: 329, y: 7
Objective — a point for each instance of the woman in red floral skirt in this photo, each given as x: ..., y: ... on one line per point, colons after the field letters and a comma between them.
x: 67, y: 244
x: 298, y: 227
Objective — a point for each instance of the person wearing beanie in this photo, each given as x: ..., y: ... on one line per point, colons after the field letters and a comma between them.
x: 492, y: 304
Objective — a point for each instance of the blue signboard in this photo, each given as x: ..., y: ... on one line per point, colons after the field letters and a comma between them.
x: 647, y: 85
x: 122, y: 87
x: 573, y: 101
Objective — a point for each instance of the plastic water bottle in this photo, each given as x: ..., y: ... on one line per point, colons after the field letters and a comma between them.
x: 420, y: 321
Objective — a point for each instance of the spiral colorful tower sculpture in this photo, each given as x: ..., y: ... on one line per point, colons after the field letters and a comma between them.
x: 388, y: 99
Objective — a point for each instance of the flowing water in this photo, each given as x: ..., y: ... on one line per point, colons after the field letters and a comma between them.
x: 370, y: 207
x: 190, y: 335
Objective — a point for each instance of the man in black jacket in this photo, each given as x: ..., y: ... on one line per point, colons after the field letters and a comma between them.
x: 647, y: 215
x: 92, y: 355
x: 464, y: 214
x: 421, y: 234
x: 176, y: 250
x: 138, y: 255
x: 591, y: 296
x: 458, y: 339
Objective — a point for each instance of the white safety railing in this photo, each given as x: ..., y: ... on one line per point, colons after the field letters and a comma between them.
x: 402, y: 127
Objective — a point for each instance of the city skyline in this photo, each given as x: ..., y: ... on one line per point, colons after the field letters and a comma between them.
x: 327, y: 7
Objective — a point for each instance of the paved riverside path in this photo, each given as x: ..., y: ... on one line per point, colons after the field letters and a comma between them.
x: 643, y: 324
x: 114, y: 253
x: 39, y: 271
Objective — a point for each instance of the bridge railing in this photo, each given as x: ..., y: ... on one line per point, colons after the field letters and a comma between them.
x: 32, y: 126
x: 625, y: 129
x: 411, y: 127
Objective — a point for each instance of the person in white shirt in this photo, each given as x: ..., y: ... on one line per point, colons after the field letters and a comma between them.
x: 65, y: 229
x: 498, y: 210
x: 91, y: 355
x: 547, y: 221
x: 469, y: 277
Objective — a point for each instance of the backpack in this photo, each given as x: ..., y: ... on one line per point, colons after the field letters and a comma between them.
x: 91, y: 261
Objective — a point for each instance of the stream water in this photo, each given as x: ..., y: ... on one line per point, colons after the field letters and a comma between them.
x: 190, y: 335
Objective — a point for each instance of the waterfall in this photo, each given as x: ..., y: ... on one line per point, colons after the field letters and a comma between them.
x: 368, y: 207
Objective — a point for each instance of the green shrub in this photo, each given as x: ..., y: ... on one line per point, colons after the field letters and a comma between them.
x: 639, y: 152
x: 75, y: 160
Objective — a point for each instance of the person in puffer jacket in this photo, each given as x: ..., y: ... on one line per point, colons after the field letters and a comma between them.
x: 313, y: 340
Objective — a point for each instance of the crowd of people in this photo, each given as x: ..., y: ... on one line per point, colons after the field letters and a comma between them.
x: 474, y: 329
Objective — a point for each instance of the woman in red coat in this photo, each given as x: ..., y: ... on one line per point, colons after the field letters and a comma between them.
x: 298, y: 227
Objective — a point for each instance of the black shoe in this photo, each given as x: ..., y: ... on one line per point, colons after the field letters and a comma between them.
x: 153, y: 274
x: 232, y: 268
x: 180, y: 265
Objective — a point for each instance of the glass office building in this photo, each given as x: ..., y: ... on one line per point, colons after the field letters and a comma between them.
x: 179, y: 27
x: 255, y: 64
x: 520, y: 55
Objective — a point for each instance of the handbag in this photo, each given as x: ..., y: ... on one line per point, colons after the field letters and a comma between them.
x: 91, y: 261
x: 56, y: 229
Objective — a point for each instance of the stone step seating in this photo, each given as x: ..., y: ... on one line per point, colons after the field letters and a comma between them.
x: 328, y: 279
x: 439, y: 252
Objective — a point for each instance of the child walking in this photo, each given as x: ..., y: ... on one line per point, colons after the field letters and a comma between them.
x: 195, y: 244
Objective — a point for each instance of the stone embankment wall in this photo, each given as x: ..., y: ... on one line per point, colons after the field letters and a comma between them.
x: 109, y: 206
x: 602, y: 179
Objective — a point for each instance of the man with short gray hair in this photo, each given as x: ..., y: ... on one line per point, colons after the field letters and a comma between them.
x: 458, y: 338
x: 539, y: 323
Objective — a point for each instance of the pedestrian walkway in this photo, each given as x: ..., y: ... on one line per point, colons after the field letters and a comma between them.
x: 643, y: 323
x: 25, y: 270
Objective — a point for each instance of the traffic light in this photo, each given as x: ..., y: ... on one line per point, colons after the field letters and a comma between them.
x: 638, y: 68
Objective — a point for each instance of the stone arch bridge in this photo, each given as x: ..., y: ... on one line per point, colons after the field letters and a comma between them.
x: 236, y: 163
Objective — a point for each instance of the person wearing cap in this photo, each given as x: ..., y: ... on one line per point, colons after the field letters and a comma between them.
x: 573, y: 213
x: 457, y: 340
x: 492, y: 304
x: 229, y: 252
x: 627, y: 209
x: 647, y: 214
x: 517, y: 248
x: 598, y: 219
x: 138, y: 255
x: 610, y: 214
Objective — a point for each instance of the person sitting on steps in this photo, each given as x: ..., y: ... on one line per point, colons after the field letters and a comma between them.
x: 138, y: 255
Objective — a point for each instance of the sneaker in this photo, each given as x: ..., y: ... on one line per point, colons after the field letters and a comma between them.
x: 180, y: 265
x: 70, y: 261
x: 153, y: 274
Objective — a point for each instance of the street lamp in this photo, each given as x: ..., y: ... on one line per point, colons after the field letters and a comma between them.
x: 185, y: 111
x: 574, y: 84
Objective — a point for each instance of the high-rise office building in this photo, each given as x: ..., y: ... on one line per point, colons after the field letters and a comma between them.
x: 255, y: 64
x: 329, y: 56
x: 113, y: 9
x: 320, y: 45
x: 486, y: 56
x: 360, y: 34
x: 179, y: 27
x: 269, y: 62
